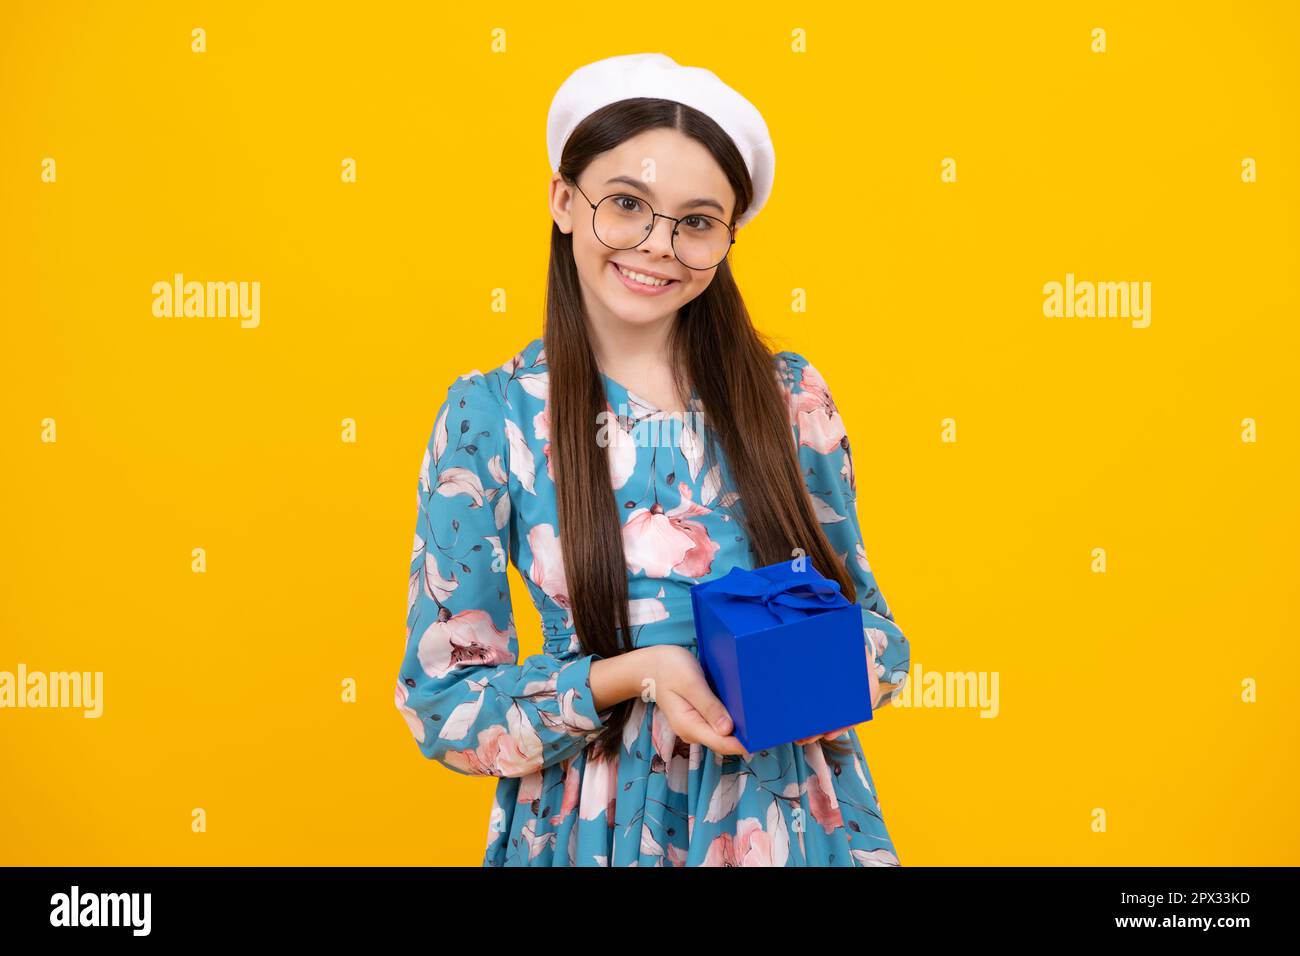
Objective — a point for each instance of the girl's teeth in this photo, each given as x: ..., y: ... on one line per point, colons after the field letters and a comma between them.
x: 643, y: 279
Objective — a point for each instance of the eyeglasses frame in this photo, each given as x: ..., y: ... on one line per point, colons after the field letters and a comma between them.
x: 653, y: 216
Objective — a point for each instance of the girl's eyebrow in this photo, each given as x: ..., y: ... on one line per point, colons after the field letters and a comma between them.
x: 636, y: 184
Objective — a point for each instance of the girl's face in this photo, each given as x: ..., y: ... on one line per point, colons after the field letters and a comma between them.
x: 678, y: 176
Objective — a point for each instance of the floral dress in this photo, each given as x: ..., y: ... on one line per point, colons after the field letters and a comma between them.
x: 486, y: 496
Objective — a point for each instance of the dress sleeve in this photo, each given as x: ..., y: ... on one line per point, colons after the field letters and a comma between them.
x: 467, y: 701
x: 827, y: 461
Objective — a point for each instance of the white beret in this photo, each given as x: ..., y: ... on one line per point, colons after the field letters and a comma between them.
x: 606, y: 81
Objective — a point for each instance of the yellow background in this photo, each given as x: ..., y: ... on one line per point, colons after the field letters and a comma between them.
x: 1119, y: 691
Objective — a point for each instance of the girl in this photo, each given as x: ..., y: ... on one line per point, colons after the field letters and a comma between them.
x: 648, y: 441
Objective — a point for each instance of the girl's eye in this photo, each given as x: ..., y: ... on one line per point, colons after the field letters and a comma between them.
x: 699, y: 223
x: 627, y: 203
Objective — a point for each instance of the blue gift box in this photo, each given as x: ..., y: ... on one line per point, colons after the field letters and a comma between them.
x: 784, y: 650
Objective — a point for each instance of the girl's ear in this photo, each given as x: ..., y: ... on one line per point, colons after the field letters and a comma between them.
x: 562, y: 203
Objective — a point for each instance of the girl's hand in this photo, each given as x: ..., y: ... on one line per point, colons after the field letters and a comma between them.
x: 677, y: 685
x: 828, y: 736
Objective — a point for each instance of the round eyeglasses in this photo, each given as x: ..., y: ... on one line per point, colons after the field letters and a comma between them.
x: 621, y: 221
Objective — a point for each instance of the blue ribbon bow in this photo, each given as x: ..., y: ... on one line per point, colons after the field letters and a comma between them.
x: 788, y: 598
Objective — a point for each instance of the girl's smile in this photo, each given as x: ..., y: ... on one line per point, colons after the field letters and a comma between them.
x: 646, y: 283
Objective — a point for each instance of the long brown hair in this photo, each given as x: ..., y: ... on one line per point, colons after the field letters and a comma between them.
x: 713, y: 346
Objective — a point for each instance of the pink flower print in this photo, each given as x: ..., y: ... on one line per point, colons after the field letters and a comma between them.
x: 599, y: 790
x: 412, y: 718
x: 468, y: 637
x: 515, y: 752
x: 542, y: 423
x: 821, y: 789
x: 660, y: 542
x: 572, y: 789
x: 819, y: 421
x: 653, y: 542
x: 542, y: 432
x: 698, y: 561
x: 530, y: 788
x: 547, y: 568
x: 749, y: 846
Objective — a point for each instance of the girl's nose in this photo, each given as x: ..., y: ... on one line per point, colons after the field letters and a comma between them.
x: 660, y: 241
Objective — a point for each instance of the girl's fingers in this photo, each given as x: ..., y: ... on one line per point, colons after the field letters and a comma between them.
x: 827, y: 736
x: 687, y: 721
